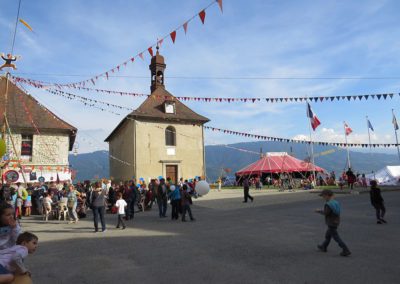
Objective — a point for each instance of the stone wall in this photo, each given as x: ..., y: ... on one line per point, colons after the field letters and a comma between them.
x: 48, y: 149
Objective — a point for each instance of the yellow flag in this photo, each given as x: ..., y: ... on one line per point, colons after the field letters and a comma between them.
x: 26, y: 24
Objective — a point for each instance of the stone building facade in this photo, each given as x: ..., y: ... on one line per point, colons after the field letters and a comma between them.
x: 42, y: 141
x: 163, y: 137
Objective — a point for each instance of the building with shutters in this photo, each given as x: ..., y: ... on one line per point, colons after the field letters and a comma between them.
x: 162, y: 137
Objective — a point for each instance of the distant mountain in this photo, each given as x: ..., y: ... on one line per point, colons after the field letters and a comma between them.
x: 96, y: 165
x: 90, y: 166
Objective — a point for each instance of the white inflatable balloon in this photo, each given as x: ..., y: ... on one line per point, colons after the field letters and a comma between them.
x: 202, y: 187
x: 172, y: 187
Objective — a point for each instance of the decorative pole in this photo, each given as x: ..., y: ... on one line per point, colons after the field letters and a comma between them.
x: 347, y: 146
x: 396, y: 127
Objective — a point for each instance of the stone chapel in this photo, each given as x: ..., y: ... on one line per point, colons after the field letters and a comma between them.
x: 162, y: 137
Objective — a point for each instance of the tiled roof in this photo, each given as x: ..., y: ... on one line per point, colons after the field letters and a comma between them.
x: 152, y: 109
x: 18, y: 118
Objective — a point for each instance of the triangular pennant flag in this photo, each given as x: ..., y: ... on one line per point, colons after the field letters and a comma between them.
x: 348, y: 98
x: 384, y: 96
x: 321, y: 98
x: 373, y: 96
x: 132, y: 59
x: 150, y: 50
x: 360, y: 97
x: 378, y: 96
x: 391, y: 96
x: 366, y: 97
x: 185, y: 26
x: 202, y: 16
x: 141, y: 55
x: 173, y: 36
x: 332, y: 98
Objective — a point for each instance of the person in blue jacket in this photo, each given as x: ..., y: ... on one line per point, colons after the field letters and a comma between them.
x: 331, y: 212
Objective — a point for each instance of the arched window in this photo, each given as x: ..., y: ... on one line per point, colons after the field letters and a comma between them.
x: 170, y: 136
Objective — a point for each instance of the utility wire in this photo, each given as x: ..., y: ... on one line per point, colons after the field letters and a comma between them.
x: 225, y: 77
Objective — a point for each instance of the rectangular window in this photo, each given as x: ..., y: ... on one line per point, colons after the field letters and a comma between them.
x: 27, y: 145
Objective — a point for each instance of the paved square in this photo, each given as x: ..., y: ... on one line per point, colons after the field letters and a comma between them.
x: 272, y: 240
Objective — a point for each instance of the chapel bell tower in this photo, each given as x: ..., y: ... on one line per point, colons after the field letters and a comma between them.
x: 157, y: 68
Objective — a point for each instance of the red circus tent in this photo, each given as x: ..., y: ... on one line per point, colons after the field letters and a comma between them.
x: 277, y: 163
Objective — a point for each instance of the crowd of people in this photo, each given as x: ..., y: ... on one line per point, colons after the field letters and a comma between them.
x: 296, y: 180
x: 61, y: 200
x: 120, y: 198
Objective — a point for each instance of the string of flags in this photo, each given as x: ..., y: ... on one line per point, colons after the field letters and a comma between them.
x: 172, y: 35
x: 279, y: 139
x: 316, y: 99
x: 85, y: 102
x: 85, y: 99
x: 310, y: 114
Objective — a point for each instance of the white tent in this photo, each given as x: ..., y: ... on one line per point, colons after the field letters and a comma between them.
x: 389, y: 175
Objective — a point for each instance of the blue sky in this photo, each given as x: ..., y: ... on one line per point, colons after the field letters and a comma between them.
x: 75, y: 40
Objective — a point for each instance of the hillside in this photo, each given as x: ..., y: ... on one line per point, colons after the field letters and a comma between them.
x: 95, y: 165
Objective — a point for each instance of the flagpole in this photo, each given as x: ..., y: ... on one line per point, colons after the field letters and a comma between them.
x: 347, y: 145
x: 314, y: 182
x: 395, y: 134
x: 369, y: 138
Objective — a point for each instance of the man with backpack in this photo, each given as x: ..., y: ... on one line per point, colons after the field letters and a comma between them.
x: 162, y: 198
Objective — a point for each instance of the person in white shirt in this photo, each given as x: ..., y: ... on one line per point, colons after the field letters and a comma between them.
x: 120, y: 204
x: 12, y: 259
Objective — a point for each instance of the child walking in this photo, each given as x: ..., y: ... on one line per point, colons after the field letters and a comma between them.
x: 28, y: 204
x: 186, y: 201
x: 47, y: 202
x: 331, y: 212
x: 121, y: 204
x: 377, y: 202
x: 12, y: 259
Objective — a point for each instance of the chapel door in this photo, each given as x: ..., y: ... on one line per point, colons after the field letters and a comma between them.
x: 172, y: 173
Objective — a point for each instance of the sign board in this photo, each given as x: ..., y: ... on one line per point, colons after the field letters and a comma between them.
x: 11, y: 176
